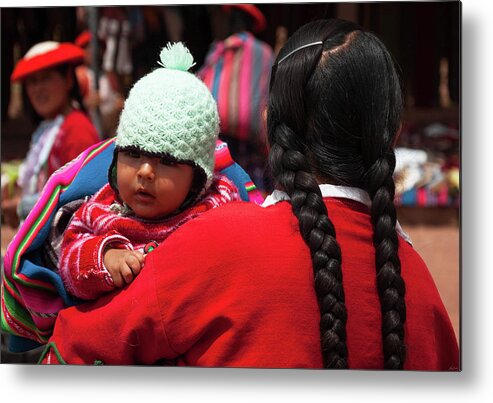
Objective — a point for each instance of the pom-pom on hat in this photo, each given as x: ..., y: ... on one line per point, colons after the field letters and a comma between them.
x: 171, y: 112
x: 46, y: 55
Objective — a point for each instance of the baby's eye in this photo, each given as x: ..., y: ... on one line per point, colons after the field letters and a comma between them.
x: 133, y: 154
x: 167, y: 162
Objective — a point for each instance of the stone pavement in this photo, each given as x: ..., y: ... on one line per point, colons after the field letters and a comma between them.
x: 439, y: 248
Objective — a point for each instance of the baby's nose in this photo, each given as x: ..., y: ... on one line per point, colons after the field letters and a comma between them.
x: 146, y: 171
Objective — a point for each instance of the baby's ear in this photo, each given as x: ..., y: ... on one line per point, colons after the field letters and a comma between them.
x: 196, y: 187
x: 199, y: 179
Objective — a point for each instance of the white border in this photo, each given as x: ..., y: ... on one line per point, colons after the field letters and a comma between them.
x: 128, y: 384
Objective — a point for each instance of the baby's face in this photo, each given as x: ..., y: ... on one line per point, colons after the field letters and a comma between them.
x: 152, y: 187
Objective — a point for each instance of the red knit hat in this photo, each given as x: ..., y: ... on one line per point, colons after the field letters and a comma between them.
x: 44, y: 55
x: 83, y: 39
x: 259, y: 22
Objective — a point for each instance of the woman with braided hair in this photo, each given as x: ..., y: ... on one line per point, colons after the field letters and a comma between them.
x: 320, y: 276
x: 321, y: 135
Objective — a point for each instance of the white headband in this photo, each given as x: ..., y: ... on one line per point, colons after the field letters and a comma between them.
x: 301, y: 47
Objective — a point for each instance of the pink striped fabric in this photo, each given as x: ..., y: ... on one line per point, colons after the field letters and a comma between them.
x: 27, y: 303
x: 237, y: 72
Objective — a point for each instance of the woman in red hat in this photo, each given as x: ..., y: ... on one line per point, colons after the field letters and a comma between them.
x: 47, y: 73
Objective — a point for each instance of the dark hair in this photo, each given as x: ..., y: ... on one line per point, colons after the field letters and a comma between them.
x: 75, y: 93
x: 333, y: 113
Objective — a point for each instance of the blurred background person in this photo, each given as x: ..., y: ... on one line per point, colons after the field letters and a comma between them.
x: 48, y: 77
x: 237, y: 70
x: 103, y: 102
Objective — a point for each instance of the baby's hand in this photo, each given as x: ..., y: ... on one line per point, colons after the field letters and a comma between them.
x: 123, y: 265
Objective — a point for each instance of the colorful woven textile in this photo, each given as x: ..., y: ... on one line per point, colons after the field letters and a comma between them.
x: 424, y: 197
x: 32, y: 293
x: 225, y: 164
x: 237, y: 72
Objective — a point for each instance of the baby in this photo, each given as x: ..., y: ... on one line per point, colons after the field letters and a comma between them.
x: 161, y: 177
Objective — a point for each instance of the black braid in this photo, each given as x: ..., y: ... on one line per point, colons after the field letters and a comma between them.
x: 391, y: 288
x: 334, y: 111
x: 292, y: 172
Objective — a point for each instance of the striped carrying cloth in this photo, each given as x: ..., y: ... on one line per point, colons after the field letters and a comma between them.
x: 33, y: 293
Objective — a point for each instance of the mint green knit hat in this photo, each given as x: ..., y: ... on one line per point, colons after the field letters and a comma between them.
x: 171, y: 112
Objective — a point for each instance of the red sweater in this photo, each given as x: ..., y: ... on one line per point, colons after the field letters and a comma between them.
x: 234, y: 287
x: 77, y: 133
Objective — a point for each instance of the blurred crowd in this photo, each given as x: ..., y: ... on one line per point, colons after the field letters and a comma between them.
x: 427, y: 172
x: 77, y: 89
